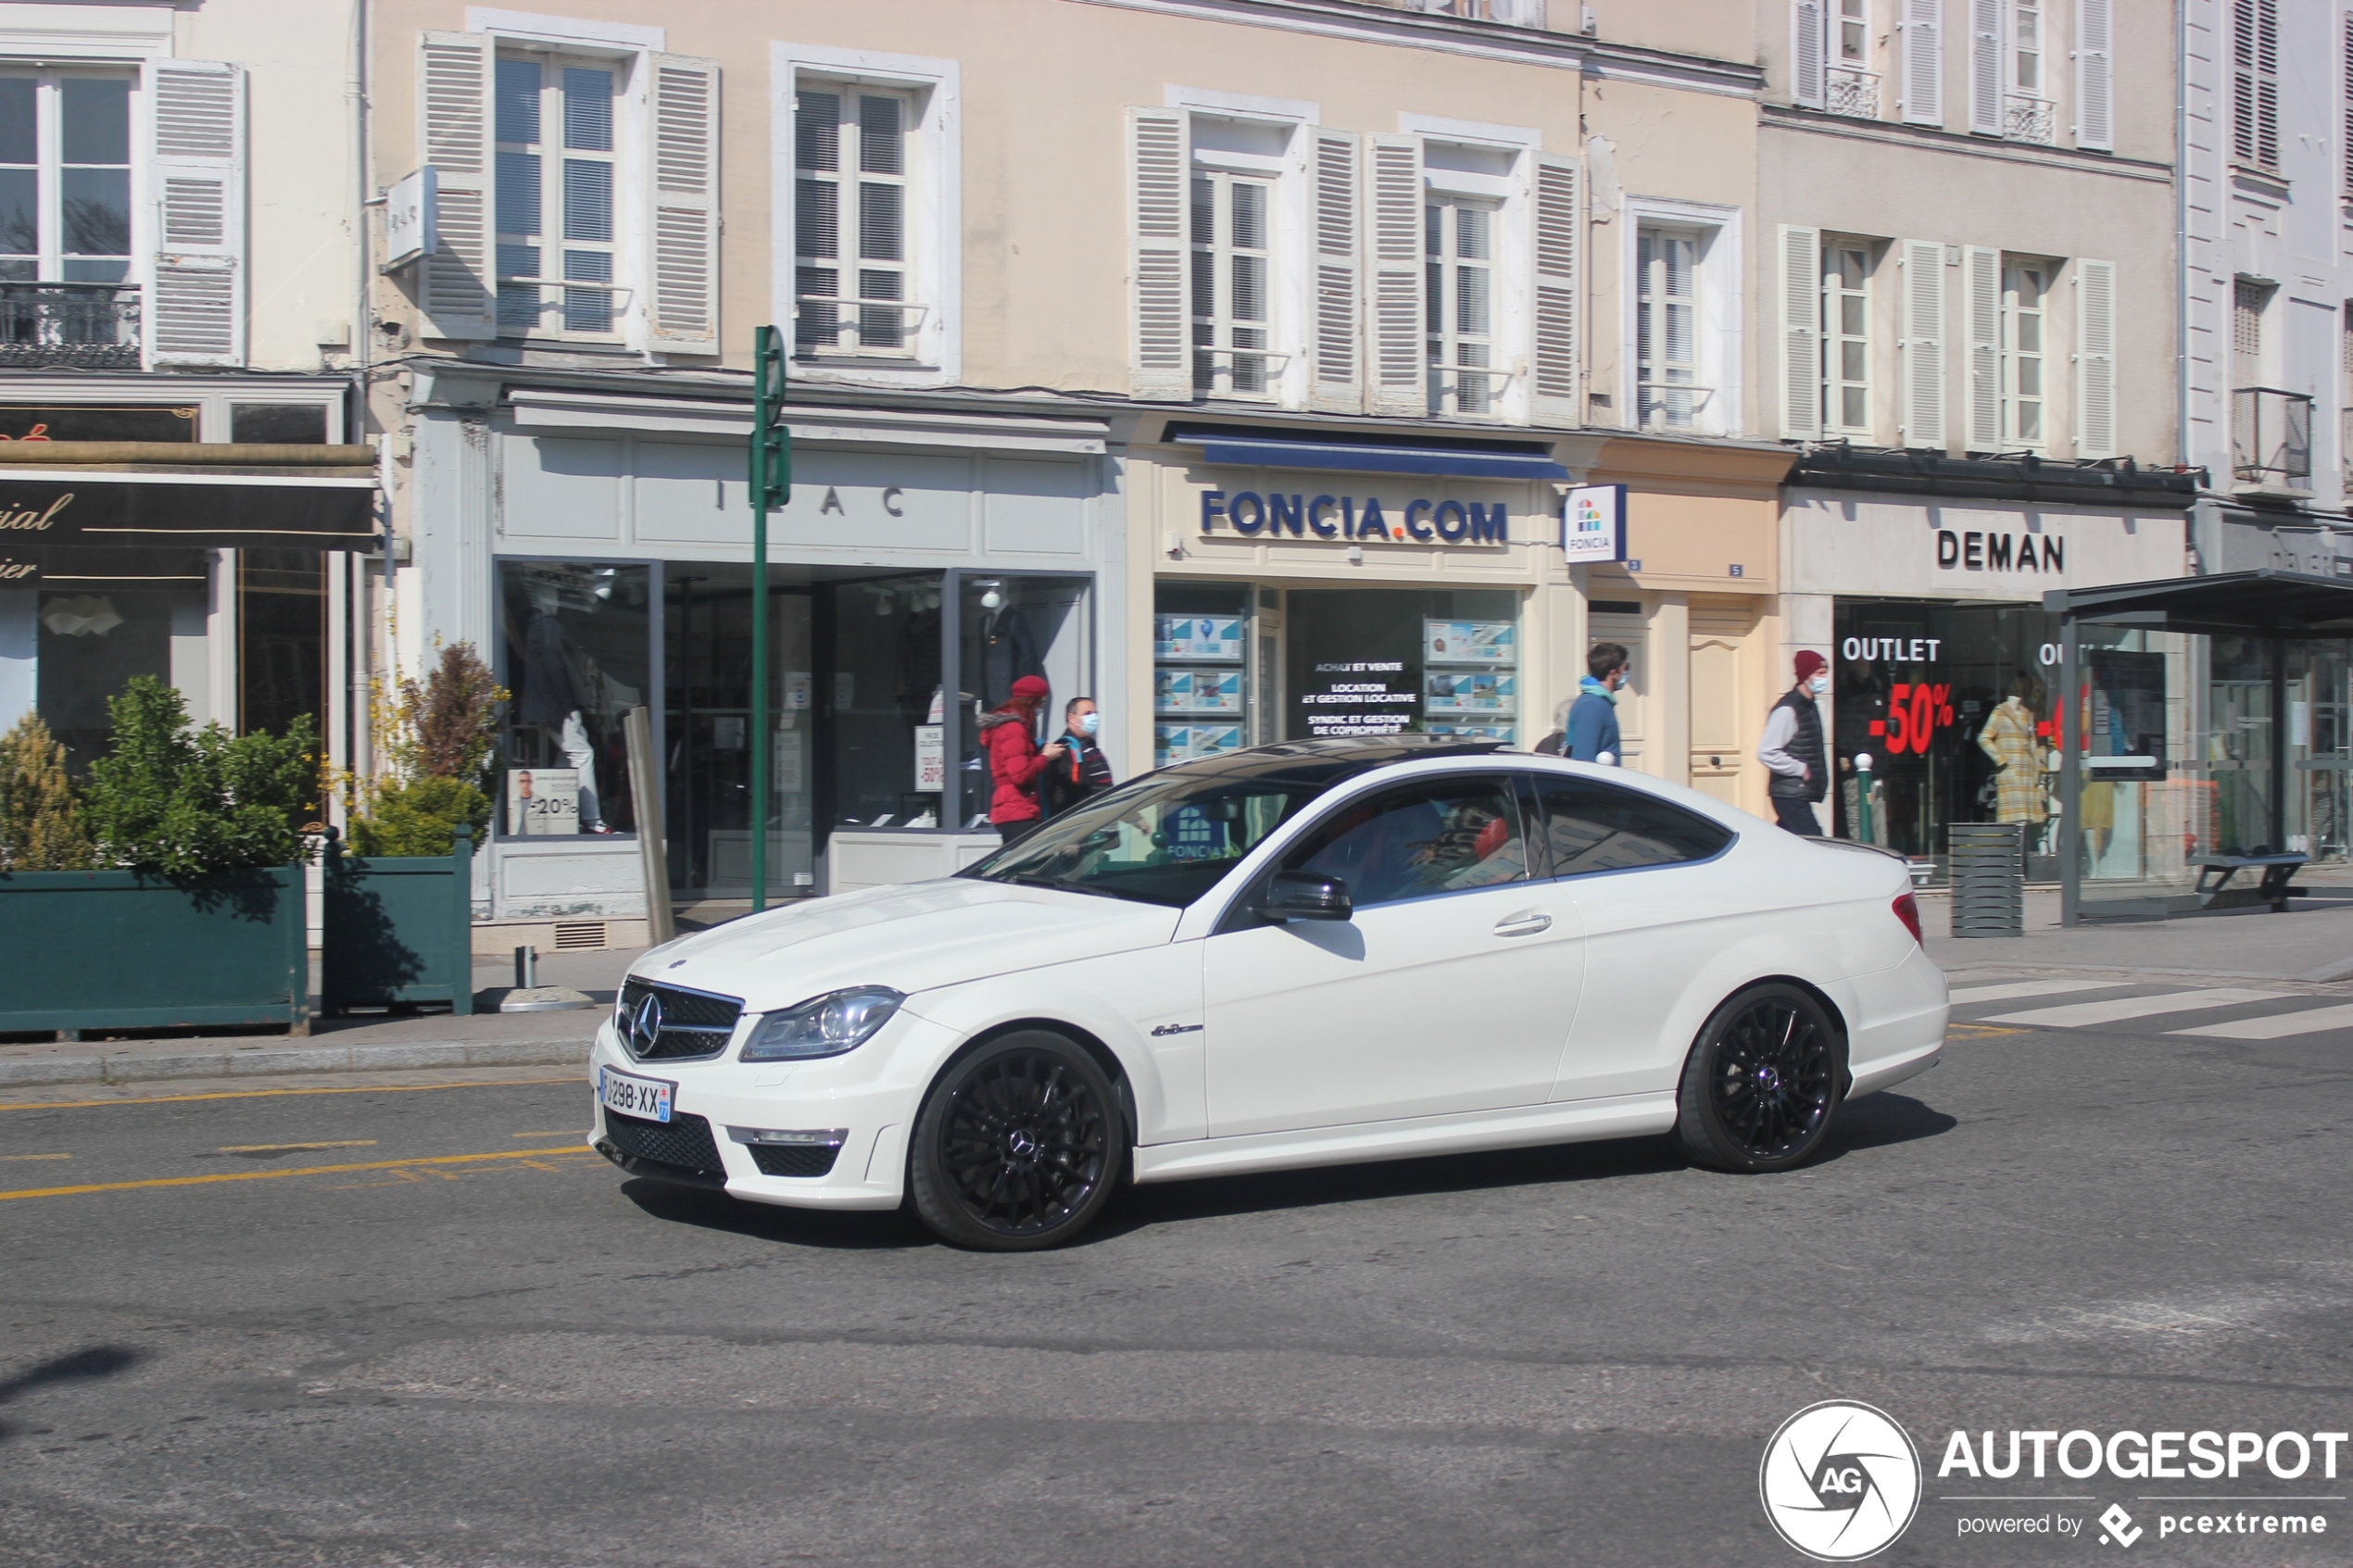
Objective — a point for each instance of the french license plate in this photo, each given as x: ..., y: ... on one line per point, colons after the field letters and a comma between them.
x: 648, y: 1098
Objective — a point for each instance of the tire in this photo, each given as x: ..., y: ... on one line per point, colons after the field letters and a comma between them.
x: 1018, y: 1146
x: 1763, y: 1082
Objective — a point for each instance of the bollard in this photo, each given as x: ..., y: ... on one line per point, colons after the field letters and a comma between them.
x: 1863, y: 798
x: 526, y: 968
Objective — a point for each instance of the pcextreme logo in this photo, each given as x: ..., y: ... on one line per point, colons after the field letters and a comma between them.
x: 1840, y: 1481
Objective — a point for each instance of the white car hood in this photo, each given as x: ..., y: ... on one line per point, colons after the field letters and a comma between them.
x: 910, y: 939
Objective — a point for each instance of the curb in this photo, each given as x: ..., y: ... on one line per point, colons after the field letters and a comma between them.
x: 129, y: 1066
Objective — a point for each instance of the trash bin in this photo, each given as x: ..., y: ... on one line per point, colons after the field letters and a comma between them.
x: 1988, y: 880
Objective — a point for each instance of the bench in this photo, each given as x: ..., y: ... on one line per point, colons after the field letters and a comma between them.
x: 2275, y: 889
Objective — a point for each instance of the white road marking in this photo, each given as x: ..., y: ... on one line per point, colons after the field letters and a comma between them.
x: 2279, y: 1025
x: 2079, y: 1014
x: 2003, y: 993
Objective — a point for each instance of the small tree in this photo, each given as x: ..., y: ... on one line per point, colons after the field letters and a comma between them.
x: 438, y: 738
x: 40, y: 820
x: 184, y: 802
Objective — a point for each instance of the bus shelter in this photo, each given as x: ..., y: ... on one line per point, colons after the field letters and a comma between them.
x: 2205, y: 730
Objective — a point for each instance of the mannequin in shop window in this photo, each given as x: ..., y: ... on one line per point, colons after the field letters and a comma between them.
x: 555, y: 693
x: 2008, y: 738
x: 1008, y: 648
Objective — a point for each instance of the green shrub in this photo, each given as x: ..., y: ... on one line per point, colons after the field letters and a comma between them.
x: 420, y: 817
x: 40, y: 820
x: 183, y: 801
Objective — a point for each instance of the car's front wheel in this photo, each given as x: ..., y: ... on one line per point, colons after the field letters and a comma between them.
x: 1762, y: 1082
x: 1018, y: 1146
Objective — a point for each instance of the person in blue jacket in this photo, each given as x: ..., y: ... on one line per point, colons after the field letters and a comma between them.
x: 1591, y: 730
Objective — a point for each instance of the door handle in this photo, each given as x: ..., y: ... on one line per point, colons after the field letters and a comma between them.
x: 1527, y: 923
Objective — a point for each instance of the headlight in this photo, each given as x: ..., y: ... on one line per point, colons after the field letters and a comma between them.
x: 826, y: 1025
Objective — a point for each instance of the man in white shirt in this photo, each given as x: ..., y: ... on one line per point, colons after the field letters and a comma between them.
x: 1792, y: 747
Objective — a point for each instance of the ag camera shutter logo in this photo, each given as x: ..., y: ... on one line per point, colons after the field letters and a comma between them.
x: 1840, y: 1481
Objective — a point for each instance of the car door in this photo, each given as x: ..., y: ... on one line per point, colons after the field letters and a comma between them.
x: 1635, y: 867
x: 1449, y: 990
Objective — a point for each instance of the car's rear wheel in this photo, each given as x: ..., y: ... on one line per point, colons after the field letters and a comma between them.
x: 1018, y: 1146
x: 1762, y: 1082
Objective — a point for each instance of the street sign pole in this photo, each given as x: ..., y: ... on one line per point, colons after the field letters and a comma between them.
x: 771, y: 486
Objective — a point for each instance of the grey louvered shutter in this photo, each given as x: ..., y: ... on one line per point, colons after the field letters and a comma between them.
x: 195, y: 312
x: 2096, y: 360
x: 1157, y: 316
x: 457, y: 286
x: 685, y: 205
x: 1808, y: 45
x: 1923, y: 343
x: 1399, y: 377
x: 2095, y: 75
x: 1982, y: 276
x: 1923, y: 62
x: 1336, y: 354
x: 1801, y: 291
x: 1556, y: 359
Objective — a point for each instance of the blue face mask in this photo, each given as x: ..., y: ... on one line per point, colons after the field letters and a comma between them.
x: 1090, y: 723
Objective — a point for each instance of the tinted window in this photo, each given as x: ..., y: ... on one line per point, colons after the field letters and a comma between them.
x: 1595, y: 827
x: 1431, y: 836
x: 1165, y: 838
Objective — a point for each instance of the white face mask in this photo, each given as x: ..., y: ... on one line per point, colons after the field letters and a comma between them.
x: 1818, y: 684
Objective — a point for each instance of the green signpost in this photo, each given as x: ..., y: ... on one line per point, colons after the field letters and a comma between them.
x: 771, y: 486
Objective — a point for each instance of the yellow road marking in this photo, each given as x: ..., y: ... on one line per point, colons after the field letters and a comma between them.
x: 277, y: 1176
x: 263, y: 1094
x: 295, y: 1147
x: 6, y: 1157
x: 1978, y: 1031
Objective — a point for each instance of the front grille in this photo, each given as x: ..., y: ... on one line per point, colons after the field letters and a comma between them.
x: 683, y: 1141
x: 793, y: 1160
x: 694, y: 1023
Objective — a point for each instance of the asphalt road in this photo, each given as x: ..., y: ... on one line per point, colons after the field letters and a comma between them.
x: 364, y: 1324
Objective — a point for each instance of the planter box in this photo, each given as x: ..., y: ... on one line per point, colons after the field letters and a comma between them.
x: 398, y: 929
x: 126, y: 951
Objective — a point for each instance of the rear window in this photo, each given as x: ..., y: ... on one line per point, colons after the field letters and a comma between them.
x: 1587, y: 827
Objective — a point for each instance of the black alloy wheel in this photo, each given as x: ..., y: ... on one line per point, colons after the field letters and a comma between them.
x: 1019, y: 1145
x: 1763, y: 1082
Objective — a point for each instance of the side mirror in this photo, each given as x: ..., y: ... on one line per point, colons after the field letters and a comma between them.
x: 1303, y: 895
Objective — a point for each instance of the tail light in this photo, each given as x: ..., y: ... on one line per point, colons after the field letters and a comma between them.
x: 1908, y: 909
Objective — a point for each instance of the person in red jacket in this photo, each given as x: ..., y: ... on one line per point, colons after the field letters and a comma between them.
x: 1014, y: 761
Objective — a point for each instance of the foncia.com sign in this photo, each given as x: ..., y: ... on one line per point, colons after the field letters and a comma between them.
x: 1842, y: 1481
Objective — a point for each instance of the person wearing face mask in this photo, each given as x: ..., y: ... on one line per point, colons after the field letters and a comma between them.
x: 1792, y: 747
x: 1082, y: 771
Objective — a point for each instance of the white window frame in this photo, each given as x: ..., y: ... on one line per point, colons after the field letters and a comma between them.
x: 850, y: 265
x: 1835, y: 293
x: 1442, y: 329
x: 934, y: 215
x: 1220, y: 361
x: 1510, y: 185
x: 628, y: 89
x: 1720, y: 297
x: 2044, y: 355
x: 2022, y: 119
x: 1289, y: 373
x: 49, y: 166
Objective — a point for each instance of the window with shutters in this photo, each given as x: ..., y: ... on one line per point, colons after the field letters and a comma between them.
x: 2028, y: 113
x: 1851, y: 86
x: 2025, y: 354
x: 1666, y: 329
x: 1846, y: 338
x: 554, y: 195
x: 65, y: 177
x: 854, y: 189
x: 1230, y: 229
x: 1683, y: 305
x: 1459, y: 296
x: 2254, y: 83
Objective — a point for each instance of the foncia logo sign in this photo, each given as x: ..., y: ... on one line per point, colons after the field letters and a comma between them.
x: 1840, y: 1481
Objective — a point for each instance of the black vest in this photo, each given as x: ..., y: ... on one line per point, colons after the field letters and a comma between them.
x: 1807, y: 746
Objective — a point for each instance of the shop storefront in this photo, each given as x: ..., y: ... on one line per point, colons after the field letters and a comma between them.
x: 1928, y: 602
x: 924, y: 563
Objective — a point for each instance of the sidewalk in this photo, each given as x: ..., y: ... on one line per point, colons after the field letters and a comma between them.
x: 2313, y: 942
x: 367, y: 1043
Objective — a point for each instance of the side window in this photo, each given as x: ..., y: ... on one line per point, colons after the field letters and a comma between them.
x: 1590, y: 827
x: 1431, y: 836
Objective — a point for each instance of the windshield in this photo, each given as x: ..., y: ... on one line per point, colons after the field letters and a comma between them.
x: 1167, y: 838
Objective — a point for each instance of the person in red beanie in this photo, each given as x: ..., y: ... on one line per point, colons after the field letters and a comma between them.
x: 1792, y: 747
x: 1014, y: 762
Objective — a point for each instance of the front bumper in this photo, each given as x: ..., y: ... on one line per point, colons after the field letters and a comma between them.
x: 871, y: 1101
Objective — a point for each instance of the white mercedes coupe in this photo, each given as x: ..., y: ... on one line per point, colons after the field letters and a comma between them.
x: 1303, y: 954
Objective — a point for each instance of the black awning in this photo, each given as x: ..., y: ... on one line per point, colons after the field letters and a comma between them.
x: 40, y: 511
x: 2263, y: 603
x: 2116, y: 483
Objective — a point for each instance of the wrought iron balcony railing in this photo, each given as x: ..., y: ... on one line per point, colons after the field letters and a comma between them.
x: 2271, y: 437
x: 95, y: 326
x: 2026, y: 118
x: 1851, y: 92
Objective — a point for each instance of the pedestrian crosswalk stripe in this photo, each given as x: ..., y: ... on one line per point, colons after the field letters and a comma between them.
x: 2278, y: 1025
x: 1970, y: 994
x: 2077, y: 1015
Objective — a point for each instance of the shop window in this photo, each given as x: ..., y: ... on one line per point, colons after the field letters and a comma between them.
x: 1419, y: 840
x: 1202, y: 677
x: 65, y: 177
x: 1459, y: 295
x: 1013, y: 627
x: 708, y: 738
x: 556, y: 170
x: 575, y: 651
x: 1386, y: 662
x: 853, y: 183
x: 882, y: 702
x: 282, y: 639
x: 1589, y: 828
x: 89, y: 639
x: 291, y: 424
